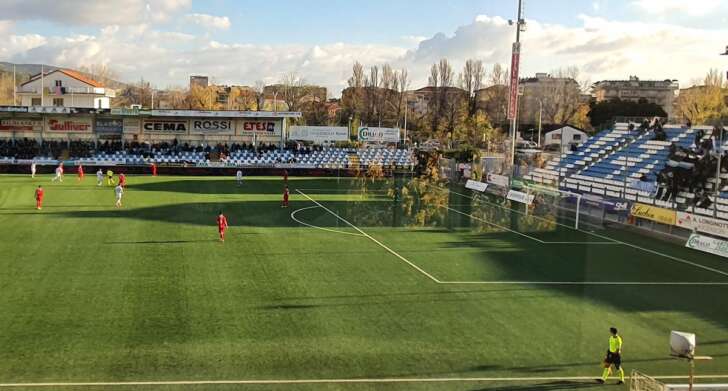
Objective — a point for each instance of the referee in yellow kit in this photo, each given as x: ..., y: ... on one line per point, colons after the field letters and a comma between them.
x: 614, y: 357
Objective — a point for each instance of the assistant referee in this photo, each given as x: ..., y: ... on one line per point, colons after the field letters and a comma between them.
x: 614, y: 357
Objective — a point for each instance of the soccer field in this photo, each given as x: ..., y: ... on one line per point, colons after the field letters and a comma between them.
x: 356, y: 279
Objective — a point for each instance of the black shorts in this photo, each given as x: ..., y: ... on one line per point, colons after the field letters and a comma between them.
x: 613, y: 359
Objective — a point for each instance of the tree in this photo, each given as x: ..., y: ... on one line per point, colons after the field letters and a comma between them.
x: 703, y: 103
x: 202, y: 98
x: 101, y: 73
x: 6, y: 88
x: 472, y: 82
x: 259, y: 88
x: 293, y: 88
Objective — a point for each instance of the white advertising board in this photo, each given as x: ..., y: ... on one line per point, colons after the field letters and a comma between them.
x: 69, y: 125
x: 500, y: 180
x: 212, y: 126
x: 318, y: 134
x: 131, y: 125
x: 378, y: 135
x: 21, y: 125
x: 475, y: 185
x: 166, y: 126
x: 521, y: 197
x: 704, y: 224
x: 248, y: 127
x: 708, y: 245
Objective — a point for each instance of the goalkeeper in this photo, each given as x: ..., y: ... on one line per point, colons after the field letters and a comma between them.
x: 614, y: 357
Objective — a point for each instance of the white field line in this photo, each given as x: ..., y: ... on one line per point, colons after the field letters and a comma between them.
x: 293, y: 216
x: 614, y: 241
x: 621, y: 283
x: 345, y: 191
x: 521, y: 233
x: 334, y: 381
x: 371, y: 238
x: 433, y: 278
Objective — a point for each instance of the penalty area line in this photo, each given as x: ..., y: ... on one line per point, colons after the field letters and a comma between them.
x: 293, y: 216
x: 334, y: 381
x: 419, y: 269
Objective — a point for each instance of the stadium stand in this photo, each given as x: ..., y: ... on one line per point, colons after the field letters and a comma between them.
x: 235, y: 155
x: 676, y: 172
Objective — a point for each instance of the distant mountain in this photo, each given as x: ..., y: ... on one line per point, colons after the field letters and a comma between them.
x: 24, y: 71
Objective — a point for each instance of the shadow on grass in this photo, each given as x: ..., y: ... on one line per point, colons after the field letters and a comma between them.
x: 249, y: 186
x: 162, y: 242
x: 555, y: 385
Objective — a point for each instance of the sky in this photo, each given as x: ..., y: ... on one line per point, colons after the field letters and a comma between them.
x: 240, y: 42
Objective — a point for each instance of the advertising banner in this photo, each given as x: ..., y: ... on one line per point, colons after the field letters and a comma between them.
x: 131, y: 125
x: 378, y: 135
x: 109, y: 125
x: 708, y: 245
x: 208, y: 126
x: 14, y: 109
x: 513, y: 92
x: 500, y: 180
x: 615, y: 205
x: 521, y: 197
x: 21, y: 125
x: 171, y: 126
x: 702, y: 224
x: 649, y: 212
x: 259, y: 127
x: 475, y: 185
x: 318, y: 134
x: 125, y: 111
x: 68, y: 125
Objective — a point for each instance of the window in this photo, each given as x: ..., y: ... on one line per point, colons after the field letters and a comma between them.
x: 59, y: 83
x: 556, y: 136
x: 577, y: 137
x: 35, y: 102
x: 58, y: 102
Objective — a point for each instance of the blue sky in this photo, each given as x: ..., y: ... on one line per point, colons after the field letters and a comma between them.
x: 238, y: 42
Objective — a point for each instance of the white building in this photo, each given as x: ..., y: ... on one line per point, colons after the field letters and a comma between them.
x: 65, y: 88
x: 565, y: 137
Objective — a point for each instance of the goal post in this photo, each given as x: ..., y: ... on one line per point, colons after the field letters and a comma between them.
x: 566, y: 203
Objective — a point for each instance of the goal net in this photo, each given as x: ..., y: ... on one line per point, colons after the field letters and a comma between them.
x: 641, y: 382
x: 525, y: 209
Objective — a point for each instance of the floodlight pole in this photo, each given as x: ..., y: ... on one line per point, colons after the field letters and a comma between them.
x: 720, y: 156
x: 513, y: 98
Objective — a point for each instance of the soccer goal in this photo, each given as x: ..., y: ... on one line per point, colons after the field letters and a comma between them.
x: 562, y: 205
x: 641, y: 382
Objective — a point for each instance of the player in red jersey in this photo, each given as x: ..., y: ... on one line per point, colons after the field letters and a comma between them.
x: 222, y: 225
x: 80, y: 173
x: 39, y: 197
x: 122, y: 180
x: 285, y: 197
x: 285, y: 175
x: 154, y: 169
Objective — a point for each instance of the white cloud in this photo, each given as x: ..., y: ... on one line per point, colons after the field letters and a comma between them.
x: 690, y: 7
x: 209, y: 21
x: 412, y: 39
x: 98, y: 13
x: 601, y: 48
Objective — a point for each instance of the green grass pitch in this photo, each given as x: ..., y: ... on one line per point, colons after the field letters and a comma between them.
x: 413, y: 288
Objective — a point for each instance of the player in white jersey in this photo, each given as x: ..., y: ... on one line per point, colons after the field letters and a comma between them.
x: 119, y: 192
x: 99, y: 177
x: 59, y: 174
x: 32, y: 170
x: 239, y: 177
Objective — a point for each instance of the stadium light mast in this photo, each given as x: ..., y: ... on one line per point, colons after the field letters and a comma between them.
x: 513, y: 92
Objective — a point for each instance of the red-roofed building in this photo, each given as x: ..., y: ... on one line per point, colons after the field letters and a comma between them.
x: 65, y: 88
